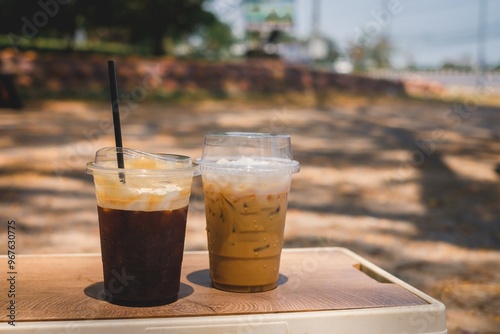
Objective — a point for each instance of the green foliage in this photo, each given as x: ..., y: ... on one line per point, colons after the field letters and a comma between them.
x: 138, y: 22
x: 450, y: 65
x: 217, y: 39
x: 368, y: 53
x: 381, y: 52
x: 152, y: 20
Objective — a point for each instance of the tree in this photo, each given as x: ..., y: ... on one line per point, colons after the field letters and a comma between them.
x: 367, y: 53
x: 32, y: 19
x: 217, y: 38
x: 358, y: 54
x: 150, y: 21
x: 381, y: 52
x: 332, y: 51
x: 146, y: 21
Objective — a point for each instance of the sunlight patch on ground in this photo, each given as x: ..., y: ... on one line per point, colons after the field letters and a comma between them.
x: 474, y: 169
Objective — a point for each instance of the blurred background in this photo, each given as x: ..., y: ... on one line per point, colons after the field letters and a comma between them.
x: 435, y: 45
x: 393, y: 107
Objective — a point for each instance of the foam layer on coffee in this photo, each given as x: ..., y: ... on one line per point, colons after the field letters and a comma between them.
x: 143, y: 191
x: 244, y: 161
x: 243, y: 181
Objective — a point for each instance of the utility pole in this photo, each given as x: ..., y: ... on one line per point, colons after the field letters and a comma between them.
x: 385, y: 39
x: 317, y: 47
x: 315, y: 18
x: 481, y: 44
x: 481, y: 35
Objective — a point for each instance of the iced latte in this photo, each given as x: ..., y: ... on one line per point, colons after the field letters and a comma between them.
x: 246, y: 201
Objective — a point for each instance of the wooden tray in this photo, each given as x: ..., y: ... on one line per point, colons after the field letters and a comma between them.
x: 65, y: 288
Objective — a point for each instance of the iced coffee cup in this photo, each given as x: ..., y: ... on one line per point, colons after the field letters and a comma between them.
x: 246, y: 179
x: 142, y: 210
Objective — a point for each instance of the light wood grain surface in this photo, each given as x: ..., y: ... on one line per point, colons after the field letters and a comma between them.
x: 69, y: 287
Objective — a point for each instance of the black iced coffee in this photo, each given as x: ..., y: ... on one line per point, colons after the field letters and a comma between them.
x: 142, y: 254
x: 142, y: 213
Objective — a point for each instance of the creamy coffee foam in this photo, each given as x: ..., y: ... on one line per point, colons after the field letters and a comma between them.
x: 142, y: 191
x: 246, y: 181
x: 244, y: 161
x: 247, y: 184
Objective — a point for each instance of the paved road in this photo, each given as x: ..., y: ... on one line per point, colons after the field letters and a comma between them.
x: 450, y: 79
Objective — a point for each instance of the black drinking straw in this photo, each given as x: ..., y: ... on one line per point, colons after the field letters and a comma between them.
x: 116, y: 116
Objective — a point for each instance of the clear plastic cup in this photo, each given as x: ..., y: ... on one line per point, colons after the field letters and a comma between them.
x: 246, y: 180
x: 142, y: 211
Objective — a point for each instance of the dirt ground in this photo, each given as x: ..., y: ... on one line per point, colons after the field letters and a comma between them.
x: 409, y: 185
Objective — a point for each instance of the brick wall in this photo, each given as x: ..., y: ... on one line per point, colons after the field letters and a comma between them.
x: 81, y: 72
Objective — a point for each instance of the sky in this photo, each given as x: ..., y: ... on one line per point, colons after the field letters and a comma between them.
x: 423, y: 32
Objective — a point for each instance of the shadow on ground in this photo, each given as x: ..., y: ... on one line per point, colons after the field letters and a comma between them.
x: 400, y: 182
